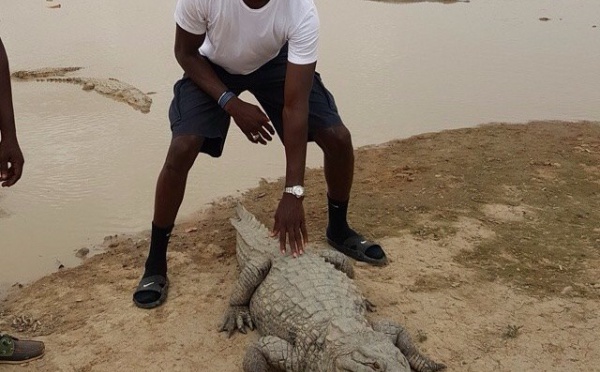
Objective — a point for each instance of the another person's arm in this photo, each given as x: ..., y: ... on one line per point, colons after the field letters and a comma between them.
x: 11, y: 157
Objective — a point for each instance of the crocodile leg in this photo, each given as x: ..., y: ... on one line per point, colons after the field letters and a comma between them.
x: 237, y: 315
x: 401, y: 339
x: 342, y: 263
x: 271, y: 351
x: 339, y: 260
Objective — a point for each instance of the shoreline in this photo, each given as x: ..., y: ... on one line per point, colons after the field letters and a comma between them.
x: 407, y: 103
x: 477, y: 223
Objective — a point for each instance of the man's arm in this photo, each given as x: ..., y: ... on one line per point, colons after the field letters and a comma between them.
x: 248, y: 117
x: 11, y: 158
x: 289, y: 218
x: 298, y: 84
x: 196, y: 66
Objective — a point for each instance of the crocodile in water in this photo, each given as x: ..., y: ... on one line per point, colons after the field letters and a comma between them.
x: 110, y: 87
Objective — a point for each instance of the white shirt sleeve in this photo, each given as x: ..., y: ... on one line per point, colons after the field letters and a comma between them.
x: 304, y: 40
x: 188, y: 15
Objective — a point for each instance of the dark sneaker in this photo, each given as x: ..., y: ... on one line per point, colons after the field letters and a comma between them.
x: 15, y: 351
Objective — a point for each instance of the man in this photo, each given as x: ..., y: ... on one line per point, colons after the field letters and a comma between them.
x: 12, y: 350
x: 269, y: 48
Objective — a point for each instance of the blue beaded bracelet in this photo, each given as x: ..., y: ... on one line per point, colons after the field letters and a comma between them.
x: 225, y: 97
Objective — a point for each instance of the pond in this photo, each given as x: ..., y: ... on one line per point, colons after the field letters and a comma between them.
x: 396, y: 70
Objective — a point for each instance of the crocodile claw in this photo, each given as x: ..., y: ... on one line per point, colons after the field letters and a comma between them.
x: 236, y: 318
x: 371, y: 307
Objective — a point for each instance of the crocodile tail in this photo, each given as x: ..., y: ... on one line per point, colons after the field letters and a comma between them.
x: 253, y: 238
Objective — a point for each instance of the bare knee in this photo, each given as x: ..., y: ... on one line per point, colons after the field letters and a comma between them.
x: 182, y: 153
x: 337, y: 139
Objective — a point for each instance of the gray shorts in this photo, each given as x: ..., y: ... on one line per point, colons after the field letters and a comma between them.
x: 194, y: 112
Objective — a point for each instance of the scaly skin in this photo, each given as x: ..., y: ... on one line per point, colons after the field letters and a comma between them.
x: 312, y: 317
x: 110, y: 87
x: 43, y: 72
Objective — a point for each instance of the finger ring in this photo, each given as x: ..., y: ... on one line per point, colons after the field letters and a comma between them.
x: 255, y: 136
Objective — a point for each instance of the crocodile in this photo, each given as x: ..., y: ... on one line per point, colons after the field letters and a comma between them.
x: 44, y: 72
x: 109, y: 87
x: 309, y: 312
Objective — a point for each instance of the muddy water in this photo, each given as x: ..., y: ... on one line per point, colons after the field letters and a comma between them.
x: 396, y: 70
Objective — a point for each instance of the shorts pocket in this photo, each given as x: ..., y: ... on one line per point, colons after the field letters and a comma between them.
x: 174, y: 109
x: 321, y: 91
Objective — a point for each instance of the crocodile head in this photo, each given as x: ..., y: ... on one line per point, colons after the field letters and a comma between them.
x: 353, y: 346
x: 380, y: 356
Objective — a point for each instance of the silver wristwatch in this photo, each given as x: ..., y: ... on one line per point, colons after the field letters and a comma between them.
x: 297, y: 191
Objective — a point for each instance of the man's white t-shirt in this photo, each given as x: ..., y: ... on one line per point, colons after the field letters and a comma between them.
x: 241, y: 39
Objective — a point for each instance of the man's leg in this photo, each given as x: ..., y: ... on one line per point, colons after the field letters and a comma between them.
x: 198, y: 125
x: 336, y: 143
x: 338, y: 152
x: 170, y: 189
x: 328, y: 131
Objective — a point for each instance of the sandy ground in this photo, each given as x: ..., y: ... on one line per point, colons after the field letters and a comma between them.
x: 493, y: 235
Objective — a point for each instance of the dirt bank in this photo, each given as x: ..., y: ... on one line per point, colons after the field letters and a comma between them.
x: 493, y: 235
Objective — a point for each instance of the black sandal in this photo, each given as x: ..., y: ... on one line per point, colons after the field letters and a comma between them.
x: 356, y: 246
x: 154, y: 284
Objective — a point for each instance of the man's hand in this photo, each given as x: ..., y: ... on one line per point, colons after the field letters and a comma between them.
x: 251, y: 120
x: 290, y: 225
x: 11, y: 162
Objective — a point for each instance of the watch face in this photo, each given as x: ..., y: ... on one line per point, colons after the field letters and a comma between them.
x: 298, y: 190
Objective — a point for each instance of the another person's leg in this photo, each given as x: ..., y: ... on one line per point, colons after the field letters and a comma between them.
x: 15, y: 351
x: 198, y: 125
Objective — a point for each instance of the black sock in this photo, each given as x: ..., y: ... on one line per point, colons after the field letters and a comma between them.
x: 156, y: 264
x: 338, y: 229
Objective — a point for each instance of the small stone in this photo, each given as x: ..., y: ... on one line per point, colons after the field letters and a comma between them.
x: 544, y: 19
x: 566, y: 290
x: 215, y: 250
x: 113, y: 245
x: 191, y: 230
x: 83, y: 252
